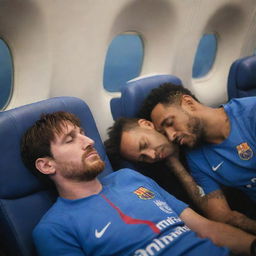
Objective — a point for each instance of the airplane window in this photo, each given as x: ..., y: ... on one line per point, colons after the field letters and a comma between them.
x: 205, y: 55
x: 123, y: 62
x: 6, y: 73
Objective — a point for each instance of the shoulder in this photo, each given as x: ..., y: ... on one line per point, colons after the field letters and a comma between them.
x: 241, y: 104
x: 125, y: 173
x: 242, y: 112
x: 55, y: 215
x: 54, y: 231
x: 195, y: 155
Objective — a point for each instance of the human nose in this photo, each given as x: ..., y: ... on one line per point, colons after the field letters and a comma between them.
x: 87, y: 142
x: 170, y: 134
x: 150, y: 153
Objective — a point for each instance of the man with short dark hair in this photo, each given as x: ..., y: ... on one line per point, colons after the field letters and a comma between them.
x: 124, y: 214
x: 137, y: 140
x: 219, y: 144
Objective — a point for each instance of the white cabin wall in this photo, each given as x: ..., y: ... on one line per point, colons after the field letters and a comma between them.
x: 23, y: 28
x: 80, y: 57
x: 59, y: 46
x: 229, y: 20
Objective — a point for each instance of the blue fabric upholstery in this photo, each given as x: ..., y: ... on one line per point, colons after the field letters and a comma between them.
x: 128, y: 105
x: 242, y: 78
x: 135, y: 91
x: 23, y: 199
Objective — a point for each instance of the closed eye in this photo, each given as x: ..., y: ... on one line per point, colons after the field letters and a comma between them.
x: 167, y: 123
x: 69, y: 139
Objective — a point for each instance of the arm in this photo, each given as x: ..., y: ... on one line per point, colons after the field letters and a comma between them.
x: 220, y: 234
x: 214, y: 205
x: 187, y: 181
x: 216, y: 208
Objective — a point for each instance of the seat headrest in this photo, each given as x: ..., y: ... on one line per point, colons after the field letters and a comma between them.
x: 23, y: 199
x: 16, y: 180
x: 134, y: 93
x: 242, y: 78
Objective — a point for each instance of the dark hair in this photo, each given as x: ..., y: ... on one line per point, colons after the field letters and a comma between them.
x: 36, y: 142
x: 165, y: 94
x: 112, y: 144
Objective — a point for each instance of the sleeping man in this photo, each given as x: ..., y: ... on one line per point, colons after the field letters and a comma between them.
x: 137, y: 140
x: 125, y: 213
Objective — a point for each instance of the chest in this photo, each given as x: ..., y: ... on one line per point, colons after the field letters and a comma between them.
x: 233, y: 164
x: 118, y: 222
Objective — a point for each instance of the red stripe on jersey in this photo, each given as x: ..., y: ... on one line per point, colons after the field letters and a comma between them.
x: 129, y: 220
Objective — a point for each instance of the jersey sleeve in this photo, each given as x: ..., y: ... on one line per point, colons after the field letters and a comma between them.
x: 52, y: 240
x: 204, y: 181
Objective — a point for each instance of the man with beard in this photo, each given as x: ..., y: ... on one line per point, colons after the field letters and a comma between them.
x: 137, y: 140
x: 123, y: 214
x: 219, y: 144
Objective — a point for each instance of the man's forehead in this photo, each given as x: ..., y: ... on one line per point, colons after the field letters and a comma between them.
x: 138, y: 133
x: 158, y: 112
x: 130, y: 140
x: 63, y: 128
x: 161, y: 113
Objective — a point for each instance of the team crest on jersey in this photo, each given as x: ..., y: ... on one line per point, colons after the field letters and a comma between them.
x: 163, y: 206
x: 244, y: 151
x: 144, y: 193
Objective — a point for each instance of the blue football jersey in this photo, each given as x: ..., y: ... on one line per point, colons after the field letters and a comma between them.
x: 232, y: 162
x: 132, y: 215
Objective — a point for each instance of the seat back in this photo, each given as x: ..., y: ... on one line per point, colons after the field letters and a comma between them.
x: 135, y: 91
x: 242, y: 78
x: 128, y: 105
x: 23, y: 199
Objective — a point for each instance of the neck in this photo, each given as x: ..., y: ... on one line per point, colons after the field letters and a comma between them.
x: 217, y: 125
x: 78, y: 189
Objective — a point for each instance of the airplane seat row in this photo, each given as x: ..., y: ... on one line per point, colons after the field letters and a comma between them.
x: 23, y: 199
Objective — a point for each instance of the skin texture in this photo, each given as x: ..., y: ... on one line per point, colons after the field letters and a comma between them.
x: 74, y: 155
x: 75, y: 163
x: 145, y: 144
x: 180, y: 127
x: 191, y: 123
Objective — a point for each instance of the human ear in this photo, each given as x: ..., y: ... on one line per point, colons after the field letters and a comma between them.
x: 188, y: 103
x: 145, y: 124
x: 45, y: 165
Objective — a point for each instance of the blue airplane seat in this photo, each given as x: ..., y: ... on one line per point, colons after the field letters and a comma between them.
x: 135, y: 91
x: 23, y: 199
x: 242, y: 78
x: 128, y: 105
